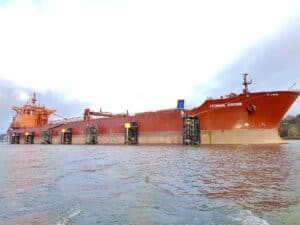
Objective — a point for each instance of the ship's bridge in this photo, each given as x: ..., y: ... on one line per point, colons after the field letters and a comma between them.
x: 31, y: 115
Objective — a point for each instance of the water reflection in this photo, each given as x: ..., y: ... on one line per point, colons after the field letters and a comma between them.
x: 147, y: 184
x: 28, y: 171
x: 257, y: 177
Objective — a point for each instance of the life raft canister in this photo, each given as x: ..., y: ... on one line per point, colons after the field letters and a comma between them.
x: 251, y: 108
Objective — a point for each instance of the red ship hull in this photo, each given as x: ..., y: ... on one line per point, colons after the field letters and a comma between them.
x: 160, y: 127
x: 236, y: 119
x: 244, y: 118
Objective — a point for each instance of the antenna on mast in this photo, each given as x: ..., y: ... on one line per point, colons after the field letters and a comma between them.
x: 291, y: 87
x: 33, y: 99
x: 246, y: 83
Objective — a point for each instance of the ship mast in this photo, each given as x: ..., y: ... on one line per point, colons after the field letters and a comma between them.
x: 246, y: 83
x: 33, y: 99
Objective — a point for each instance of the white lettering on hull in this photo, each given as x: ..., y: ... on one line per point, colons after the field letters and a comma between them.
x: 273, y: 94
x: 223, y: 105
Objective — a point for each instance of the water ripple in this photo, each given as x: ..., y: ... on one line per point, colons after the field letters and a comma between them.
x: 236, y: 185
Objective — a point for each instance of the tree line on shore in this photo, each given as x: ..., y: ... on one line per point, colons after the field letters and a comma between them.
x: 289, y: 127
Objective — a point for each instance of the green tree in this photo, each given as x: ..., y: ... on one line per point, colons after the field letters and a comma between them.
x: 293, y: 131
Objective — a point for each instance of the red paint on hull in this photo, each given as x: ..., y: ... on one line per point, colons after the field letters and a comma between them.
x: 159, y: 121
x: 260, y: 112
x: 233, y: 112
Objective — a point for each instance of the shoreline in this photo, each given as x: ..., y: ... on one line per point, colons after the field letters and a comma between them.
x: 290, y: 138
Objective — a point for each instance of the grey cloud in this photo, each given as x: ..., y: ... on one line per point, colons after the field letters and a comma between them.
x: 272, y: 63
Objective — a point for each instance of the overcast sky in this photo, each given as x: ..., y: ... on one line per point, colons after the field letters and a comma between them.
x: 143, y: 55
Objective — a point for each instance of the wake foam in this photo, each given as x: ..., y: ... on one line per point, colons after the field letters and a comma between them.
x: 246, y: 217
x: 68, y: 217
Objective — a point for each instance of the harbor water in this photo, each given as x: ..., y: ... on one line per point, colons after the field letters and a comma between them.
x: 145, y: 185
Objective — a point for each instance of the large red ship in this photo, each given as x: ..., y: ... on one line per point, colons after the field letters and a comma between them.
x: 243, y: 118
